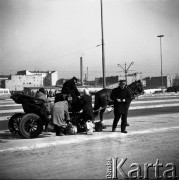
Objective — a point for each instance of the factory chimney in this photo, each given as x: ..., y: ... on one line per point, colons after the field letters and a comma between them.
x: 81, y: 70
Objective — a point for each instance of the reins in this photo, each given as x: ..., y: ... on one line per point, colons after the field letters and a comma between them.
x: 130, y: 90
x: 105, y: 108
x: 111, y: 110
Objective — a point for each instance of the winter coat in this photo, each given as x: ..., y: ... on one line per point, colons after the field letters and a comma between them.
x: 60, y: 113
x: 86, y: 102
x: 125, y: 97
x: 69, y: 86
x: 42, y: 96
x: 47, y: 105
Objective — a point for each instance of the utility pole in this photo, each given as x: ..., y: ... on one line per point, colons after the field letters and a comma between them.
x: 102, y: 41
x: 126, y: 69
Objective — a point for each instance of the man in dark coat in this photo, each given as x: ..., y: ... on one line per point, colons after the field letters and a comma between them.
x: 69, y: 87
x: 122, y: 98
x: 86, y: 102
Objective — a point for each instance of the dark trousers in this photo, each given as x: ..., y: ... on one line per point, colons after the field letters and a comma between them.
x: 123, y: 121
x: 59, y: 130
x: 87, y: 117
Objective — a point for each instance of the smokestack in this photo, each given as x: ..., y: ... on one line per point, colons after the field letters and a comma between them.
x: 87, y: 74
x: 81, y: 70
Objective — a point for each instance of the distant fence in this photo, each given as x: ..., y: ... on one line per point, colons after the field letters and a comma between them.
x: 159, y: 95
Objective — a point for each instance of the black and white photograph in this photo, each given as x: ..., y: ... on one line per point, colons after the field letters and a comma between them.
x: 89, y: 89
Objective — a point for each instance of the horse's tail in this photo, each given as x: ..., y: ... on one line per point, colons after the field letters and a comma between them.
x: 96, y: 104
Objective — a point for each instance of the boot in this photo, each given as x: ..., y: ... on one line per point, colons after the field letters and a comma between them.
x: 57, y: 130
x: 61, y: 131
x: 124, y: 131
x: 113, y: 129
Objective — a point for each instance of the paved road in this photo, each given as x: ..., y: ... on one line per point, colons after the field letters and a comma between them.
x: 152, y: 134
x: 146, y: 105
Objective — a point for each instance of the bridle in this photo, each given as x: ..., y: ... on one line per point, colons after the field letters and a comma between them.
x: 134, y: 92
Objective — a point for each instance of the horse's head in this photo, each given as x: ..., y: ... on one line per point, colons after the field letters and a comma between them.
x: 136, y: 88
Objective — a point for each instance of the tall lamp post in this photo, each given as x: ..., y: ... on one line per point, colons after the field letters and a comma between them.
x: 102, y: 42
x: 160, y: 36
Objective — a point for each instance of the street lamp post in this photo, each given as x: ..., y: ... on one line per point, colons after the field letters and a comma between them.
x: 103, y: 56
x: 160, y: 36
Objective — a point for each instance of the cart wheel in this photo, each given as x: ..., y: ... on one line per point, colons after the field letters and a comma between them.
x: 31, y: 125
x: 13, y: 123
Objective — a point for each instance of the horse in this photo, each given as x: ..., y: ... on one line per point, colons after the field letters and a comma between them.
x: 102, y: 97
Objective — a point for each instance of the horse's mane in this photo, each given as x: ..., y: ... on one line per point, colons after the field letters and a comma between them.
x: 133, y: 90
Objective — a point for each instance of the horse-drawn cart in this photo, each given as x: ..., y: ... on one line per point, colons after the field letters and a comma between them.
x: 35, y: 117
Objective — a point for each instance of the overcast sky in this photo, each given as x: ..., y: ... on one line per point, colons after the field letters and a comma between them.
x: 54, y: 34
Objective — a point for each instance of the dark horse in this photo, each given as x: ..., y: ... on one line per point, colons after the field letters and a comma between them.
x: 102, y: 97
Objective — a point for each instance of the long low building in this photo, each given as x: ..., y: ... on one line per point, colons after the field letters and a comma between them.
x: 30, y: 78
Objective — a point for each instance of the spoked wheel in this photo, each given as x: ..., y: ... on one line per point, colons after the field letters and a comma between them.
x: 14, y: 122
x: 31, y: 125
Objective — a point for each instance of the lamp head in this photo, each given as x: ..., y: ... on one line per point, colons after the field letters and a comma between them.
x: 160, y: 36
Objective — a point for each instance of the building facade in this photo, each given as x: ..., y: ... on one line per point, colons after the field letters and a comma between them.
x: 30, y: 79
x: 2, y: 78
x: 133, y: 77
x: 109, y: 80
x: 18, y: 82
x: 49, y: 77
x: 156, y: 82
